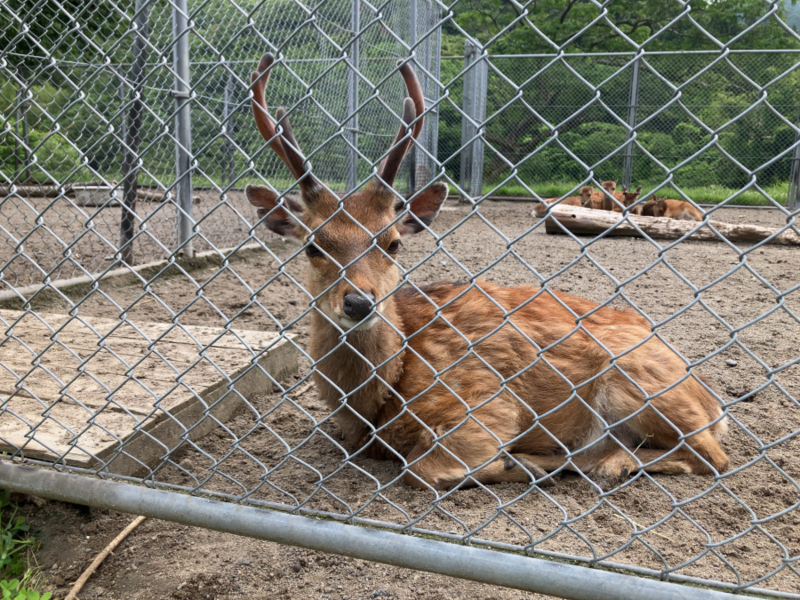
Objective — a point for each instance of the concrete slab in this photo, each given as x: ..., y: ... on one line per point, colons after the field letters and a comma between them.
x: 100, y: 393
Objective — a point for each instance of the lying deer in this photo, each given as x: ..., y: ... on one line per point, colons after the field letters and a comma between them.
x: 540, y: 209
x: 626, y: 198
x: 591, y: 199
x: 467, y: 383
x: 646, y: 209
x: 675, y: 209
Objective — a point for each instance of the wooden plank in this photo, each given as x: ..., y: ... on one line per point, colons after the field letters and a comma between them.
x: 103, y: 392
x: 587, y: 221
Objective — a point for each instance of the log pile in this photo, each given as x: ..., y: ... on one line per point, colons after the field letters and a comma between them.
x: 587, y: 221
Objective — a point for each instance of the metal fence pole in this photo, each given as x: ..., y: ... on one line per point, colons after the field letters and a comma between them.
x: 430, y: 130
x: 479, y: 115
x: 793, y: 199
x: 133, y: 139
x: 633, y: 101
x: 467, y: 562
x: 227, y: 119
x: 23, y: 108
x: 467, y: 127
x: 123, y: 126
x: 351, y: 128
x: 183, y: 125
x: 412, y: 42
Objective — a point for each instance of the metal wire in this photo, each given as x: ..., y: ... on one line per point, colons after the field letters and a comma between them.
x: 537, y: 125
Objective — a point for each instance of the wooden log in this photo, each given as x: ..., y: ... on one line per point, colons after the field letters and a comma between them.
x: 52, y: 191
x: 101, y: 197
x: 587, y: 221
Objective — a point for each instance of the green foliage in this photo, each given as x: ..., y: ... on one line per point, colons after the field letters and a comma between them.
x: 14, y: 539
x: 17, y: 581
x: 15, y: 589
x: 50, y: 156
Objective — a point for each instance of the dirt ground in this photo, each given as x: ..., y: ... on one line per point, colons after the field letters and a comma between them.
x: 743, y: 526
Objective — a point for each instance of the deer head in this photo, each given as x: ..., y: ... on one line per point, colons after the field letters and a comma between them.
x: 630, y: 198
x: 351, y: 244
x: 609, y: 186
x: 586, y: 196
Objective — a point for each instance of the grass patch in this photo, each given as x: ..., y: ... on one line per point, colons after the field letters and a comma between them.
x: 18, y: 580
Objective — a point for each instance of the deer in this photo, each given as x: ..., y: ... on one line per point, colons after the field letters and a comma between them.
x: 592, y: 199
x: 540, y: 210
x: 625, y: 198
x: 472, y: 383
x: 646, y: 209
x: 675, y: 209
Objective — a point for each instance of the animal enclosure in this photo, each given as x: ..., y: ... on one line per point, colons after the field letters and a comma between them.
x: 182, y: 360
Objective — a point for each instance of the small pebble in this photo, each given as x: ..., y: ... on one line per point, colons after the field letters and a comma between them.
x: 730, y: 362
x: 55, y: 566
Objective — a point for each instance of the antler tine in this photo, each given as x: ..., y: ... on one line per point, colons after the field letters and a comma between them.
x: 413, y: 107
x: 290, y: 145
x: 415, y: 93
x: 294, y: 157
x: 259, y: 79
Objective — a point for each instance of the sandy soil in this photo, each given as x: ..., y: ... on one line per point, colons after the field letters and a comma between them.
x: 687, y: 512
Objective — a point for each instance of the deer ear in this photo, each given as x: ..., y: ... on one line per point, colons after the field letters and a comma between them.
x: 422, y: 210
x: 280, y: 217
x: 638, y: 189
x: 624, y: 189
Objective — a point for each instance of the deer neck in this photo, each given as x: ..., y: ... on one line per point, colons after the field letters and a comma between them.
x: 346, y: 374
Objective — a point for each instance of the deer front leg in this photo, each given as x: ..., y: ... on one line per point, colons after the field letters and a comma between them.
x: 445, y: 464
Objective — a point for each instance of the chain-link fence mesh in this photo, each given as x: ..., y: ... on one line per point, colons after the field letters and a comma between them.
x: 197, y: 375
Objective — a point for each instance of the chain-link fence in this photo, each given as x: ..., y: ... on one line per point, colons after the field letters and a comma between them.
x: 630, y: 403
x: 640, y: 120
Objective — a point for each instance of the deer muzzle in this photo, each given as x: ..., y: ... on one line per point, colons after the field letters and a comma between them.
x: 358, y: 306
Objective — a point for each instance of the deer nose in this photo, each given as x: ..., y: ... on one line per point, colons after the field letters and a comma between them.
x: 358, y: 306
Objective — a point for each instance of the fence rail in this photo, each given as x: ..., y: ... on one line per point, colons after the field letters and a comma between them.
x: 157, y: 333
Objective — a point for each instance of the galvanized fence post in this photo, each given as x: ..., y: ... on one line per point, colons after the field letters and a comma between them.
x: 23, y: 108
x: 467, y: 127
x: 431, y: 126
x: 633, y: 101
x: 474, y: 106
x: 123, y: 125
x: 411, y: 159
x: 228, y: 116
x: 793, y: 198
x: 183, y: 125
x: 133, y: 139
x: 351, y: 127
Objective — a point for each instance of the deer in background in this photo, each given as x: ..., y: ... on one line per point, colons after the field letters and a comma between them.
x: 540, y: 209
x: 592, y: 199
x: 450, y: 379
x: 675, y: 209
x: 626, y: 198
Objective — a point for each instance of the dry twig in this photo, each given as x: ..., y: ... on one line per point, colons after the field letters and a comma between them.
x: 78, y: 585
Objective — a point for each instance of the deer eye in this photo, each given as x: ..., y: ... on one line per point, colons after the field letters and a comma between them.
x: 394, y: 247
x: 312, y: 251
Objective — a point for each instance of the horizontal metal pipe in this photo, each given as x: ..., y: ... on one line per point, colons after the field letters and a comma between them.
x: 487, y: 566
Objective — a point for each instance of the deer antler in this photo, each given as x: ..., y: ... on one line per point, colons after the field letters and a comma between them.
x: 413, y: 107
x: 285, y: 145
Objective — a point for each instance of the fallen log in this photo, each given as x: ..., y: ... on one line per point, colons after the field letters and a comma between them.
x: 101, y: 197
x: 587, y: 221
x: 52, y: 191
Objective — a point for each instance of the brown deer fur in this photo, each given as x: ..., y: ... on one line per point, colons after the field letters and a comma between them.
x: 625, y: 198
x: 540, y: 209
x: 592, y: 199
x: 646, y: 209
x: 675, y: 209
x: 450, y: 382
